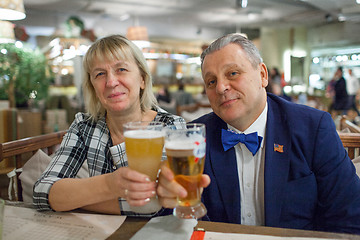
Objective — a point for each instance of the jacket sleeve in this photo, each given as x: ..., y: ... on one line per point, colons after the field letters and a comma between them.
x: 338, y: 208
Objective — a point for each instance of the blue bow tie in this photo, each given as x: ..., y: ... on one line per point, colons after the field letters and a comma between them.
x: 252, y: 141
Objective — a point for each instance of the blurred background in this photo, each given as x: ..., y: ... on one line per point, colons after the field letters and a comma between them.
x: 42, y: 43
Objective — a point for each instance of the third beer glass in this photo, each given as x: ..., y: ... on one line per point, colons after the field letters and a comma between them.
x: 144, y: 143
x: 185, y: 150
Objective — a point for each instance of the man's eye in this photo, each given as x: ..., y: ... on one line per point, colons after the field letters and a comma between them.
x: 121, y: 69
x: 233, y: 73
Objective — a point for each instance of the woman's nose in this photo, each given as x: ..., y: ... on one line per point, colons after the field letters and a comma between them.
x: 111, y: 80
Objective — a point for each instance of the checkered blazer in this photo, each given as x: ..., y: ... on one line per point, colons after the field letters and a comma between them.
x: 88, y: 140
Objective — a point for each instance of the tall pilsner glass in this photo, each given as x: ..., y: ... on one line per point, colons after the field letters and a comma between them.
x: 144, y: 143
x: 185, y: 150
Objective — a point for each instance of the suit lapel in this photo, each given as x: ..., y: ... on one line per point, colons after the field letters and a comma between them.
x: 225, y: 173
x: 277, y: 162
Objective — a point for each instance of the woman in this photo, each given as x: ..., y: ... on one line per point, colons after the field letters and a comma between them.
x: 117, y: 89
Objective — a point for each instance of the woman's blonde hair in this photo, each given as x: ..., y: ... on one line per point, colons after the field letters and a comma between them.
x: 112, y: 48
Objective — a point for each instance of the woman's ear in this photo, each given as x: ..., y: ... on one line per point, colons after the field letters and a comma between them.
x: 142, y: 83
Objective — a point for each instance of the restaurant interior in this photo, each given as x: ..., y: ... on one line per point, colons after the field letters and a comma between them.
x: 42, y: 44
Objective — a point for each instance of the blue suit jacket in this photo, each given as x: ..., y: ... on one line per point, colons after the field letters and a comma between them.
x: 311, y: 185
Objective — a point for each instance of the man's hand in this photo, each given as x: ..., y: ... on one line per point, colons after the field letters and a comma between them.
x: 168, y: 189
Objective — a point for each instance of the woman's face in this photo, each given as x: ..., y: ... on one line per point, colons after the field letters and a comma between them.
x: 117, y: 85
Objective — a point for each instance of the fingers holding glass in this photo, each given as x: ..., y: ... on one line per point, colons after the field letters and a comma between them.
x: 168, y: 189
x: 185, y: 150
x: 144, y: 142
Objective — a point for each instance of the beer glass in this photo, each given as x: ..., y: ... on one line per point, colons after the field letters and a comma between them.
x: 144, y: 143
x: 185, y: 150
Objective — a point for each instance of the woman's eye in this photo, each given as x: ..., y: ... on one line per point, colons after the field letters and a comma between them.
x: 99, y: 74
x: 210, y: 83
x: 121, y: 69
x: 233, y: 73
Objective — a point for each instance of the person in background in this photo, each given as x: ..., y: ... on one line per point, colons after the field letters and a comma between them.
x: 352, y: 88
x: 118, y: 89
x: 274, y: 84
x: 275, y: 76
x: 183, y: 100
x: 330, y: 93
x: 201, y: 98
x: 269, y: 162
x: 165, y: 100
x: 268, y: 88
x: 163, y: 95
x: 182, y: 97
x: 341, y: 99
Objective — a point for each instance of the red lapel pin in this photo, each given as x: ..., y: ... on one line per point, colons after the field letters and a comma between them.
x: 278, y: 148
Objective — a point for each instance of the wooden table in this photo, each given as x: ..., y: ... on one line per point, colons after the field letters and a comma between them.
x: 133, y: 224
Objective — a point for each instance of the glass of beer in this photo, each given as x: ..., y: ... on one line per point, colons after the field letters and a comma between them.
x: 185, y: 150
x: 144, y: 143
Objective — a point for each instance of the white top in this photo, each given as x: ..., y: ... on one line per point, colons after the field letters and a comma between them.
x: 251, y: 174
x: 352, y: 85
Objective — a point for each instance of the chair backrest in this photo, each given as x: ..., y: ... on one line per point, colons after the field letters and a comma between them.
x: 345, y: 123
x: 18, y: 148
x: 351, y: 142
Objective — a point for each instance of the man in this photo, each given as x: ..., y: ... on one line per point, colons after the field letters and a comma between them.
x: 298, y: 176
x: 352, y: 88
x: 341, y: 100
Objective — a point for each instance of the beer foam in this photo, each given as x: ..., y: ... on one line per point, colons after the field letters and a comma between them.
x: 144, y: 134
x: 179, y: 145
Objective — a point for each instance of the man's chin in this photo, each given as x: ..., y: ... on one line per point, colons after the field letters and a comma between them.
x: 227, y: 116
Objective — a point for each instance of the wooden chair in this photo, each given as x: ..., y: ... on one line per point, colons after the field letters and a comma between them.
x: 18, y: 149
x: 189, y: 108
x: 351, y: 142
x: 345, y: 123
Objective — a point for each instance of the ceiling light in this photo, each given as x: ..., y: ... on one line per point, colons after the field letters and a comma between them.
x: 124, y: 17
x: 12, y: 10
x: 342, y: 18
x: 137, y: 33
x: 242, y: 3
x: 253, y: 16
x: 316, y: 60
x: 358, y: 1
x: 139, y: 36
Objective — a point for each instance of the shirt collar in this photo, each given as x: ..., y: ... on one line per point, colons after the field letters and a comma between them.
x: 258, y: 126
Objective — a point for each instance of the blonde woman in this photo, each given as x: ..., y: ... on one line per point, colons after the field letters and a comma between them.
x: 117, y: 89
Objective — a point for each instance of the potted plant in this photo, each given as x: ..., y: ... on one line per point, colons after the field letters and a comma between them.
x: 24, y: 75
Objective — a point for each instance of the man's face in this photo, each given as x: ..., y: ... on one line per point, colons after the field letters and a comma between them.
x: 236, y: 90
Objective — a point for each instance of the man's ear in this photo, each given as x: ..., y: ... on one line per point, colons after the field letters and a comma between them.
x: 264, y: 75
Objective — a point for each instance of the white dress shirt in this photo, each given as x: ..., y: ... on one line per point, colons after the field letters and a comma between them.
x: 251, y: 174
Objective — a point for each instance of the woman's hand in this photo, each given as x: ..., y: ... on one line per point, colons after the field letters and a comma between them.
x: 168, y: 189
x: 135, y: 187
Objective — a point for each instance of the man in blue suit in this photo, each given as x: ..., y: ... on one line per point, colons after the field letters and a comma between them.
x: 271, y: 162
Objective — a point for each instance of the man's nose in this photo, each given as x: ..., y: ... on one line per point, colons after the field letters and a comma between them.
x: 222, y: 85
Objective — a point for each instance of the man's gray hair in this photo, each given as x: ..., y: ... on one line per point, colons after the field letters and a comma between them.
x: 235, y: 38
